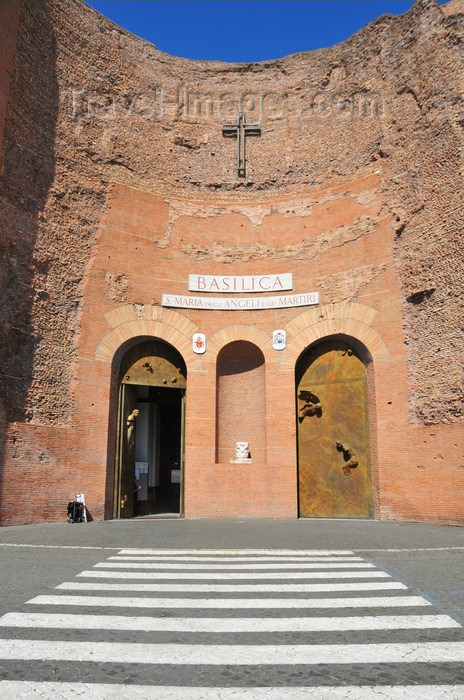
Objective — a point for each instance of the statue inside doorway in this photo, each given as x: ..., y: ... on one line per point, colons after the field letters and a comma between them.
x: 130, y: 422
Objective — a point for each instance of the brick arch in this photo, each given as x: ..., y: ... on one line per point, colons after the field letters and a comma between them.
x: 138, y: 320
x: 252, y: 334
x: 345, y: 318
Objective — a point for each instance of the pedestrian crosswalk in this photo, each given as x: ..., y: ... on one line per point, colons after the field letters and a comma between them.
x: 231, y: 624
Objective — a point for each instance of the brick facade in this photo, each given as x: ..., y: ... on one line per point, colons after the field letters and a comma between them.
x: 117, y: 183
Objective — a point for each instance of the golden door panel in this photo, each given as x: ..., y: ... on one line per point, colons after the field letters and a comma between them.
x: 333, y: 438
x: 153, y: 363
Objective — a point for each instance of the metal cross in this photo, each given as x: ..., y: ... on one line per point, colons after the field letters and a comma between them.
x: 241, y: 130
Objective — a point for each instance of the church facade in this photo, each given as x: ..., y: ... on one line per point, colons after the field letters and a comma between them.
x: 231, y: 290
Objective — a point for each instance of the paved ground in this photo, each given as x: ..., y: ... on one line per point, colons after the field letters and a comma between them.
x: 429, y: 558
x: 369, y: 650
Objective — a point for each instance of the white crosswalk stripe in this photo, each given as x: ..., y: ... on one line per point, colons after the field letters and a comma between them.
x: 97, y: 691
x: 217, y: 625
x: 265, y: 587
x: 230, y: 654
x: 224, y: 603
x: 185, y: 619
x: 236, y: 555
x: 326, y: 565
x: 249, y: 575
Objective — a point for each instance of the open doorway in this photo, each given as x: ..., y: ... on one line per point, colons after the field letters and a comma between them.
x: 150, y: 436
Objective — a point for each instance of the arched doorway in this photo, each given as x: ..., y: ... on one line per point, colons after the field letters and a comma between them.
x: 150, y: 431
x: 333, y: 433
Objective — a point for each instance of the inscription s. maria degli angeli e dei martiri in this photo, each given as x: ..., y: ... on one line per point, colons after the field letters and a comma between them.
x: 240, y: 284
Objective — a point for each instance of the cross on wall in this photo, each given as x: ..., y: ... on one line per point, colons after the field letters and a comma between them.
x: 241, y: 130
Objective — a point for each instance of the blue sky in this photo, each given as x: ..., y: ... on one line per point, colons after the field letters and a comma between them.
x: 244, y: 30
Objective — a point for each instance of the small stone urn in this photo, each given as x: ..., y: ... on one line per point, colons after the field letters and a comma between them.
x: 242, y: 453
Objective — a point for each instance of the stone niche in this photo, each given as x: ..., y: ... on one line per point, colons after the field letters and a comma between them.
x: 240, y: 408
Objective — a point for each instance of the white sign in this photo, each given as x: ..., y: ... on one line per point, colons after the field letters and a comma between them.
x: 249, y: 283
x: 279, y: 340
x: 199, y: 343
x: 239, y: 303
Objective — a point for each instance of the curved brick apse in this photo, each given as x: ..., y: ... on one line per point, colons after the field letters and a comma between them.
x: 127, y: 217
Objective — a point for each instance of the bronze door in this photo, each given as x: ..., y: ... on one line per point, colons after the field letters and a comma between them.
x: 333, y: 436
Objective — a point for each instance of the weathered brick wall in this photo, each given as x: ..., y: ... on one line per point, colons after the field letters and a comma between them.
x: 27, y: 167
x: 359, y: 197
x: 8, y: 39
x: 49, y: 216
